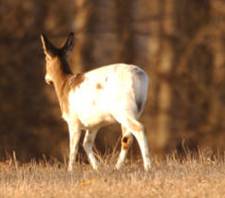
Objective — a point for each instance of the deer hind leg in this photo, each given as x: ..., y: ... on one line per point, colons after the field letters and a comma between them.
x: 137, y: 129
x: 126, y: 142
x: 74, y: 137
x: 88, y: 147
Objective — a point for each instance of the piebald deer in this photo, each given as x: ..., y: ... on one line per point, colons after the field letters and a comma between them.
x: 89, y: 101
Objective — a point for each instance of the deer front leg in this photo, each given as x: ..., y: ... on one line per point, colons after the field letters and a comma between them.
x: 88, y: 147
x: 74, y: 137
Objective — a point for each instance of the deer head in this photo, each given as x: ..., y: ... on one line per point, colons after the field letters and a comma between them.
x: 56, y: 57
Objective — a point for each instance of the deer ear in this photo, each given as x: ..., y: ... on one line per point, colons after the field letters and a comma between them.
x: 49, y: 49
x: 69, y: 43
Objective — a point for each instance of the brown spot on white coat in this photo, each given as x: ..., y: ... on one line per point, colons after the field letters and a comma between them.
x: 99, y: 86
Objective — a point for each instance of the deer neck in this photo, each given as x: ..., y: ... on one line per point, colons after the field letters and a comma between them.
x: 60, y: 83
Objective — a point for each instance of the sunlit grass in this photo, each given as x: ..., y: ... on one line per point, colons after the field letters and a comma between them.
x: 198, y: 176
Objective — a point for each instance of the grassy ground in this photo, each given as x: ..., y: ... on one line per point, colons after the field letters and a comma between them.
x: 192, y: 177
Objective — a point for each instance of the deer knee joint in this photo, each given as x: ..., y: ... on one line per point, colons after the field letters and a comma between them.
x: 126, y: 141
x: 86, y: 144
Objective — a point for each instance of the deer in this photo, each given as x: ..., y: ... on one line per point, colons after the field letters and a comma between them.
x: 115, y: 93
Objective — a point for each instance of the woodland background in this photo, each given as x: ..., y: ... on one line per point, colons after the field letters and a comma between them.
x: 180, y: 43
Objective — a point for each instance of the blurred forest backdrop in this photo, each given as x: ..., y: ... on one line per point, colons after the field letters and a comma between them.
x: 180, y: 43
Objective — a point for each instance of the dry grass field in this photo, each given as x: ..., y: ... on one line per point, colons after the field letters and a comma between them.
x: 199, y: 176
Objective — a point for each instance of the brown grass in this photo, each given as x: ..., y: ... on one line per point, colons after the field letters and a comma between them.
x: 192, y: 177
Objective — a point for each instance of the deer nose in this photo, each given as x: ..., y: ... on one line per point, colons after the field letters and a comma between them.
x: 47, y: 80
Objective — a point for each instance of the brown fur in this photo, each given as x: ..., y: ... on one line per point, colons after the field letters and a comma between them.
x: 126, y: 142
x: 135, y: 125
x: 75, y: 80
x: 98, y: 86
x: 71, y: 82
x: 125, y: 146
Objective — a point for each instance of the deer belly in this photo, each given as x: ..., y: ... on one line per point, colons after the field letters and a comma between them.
x: 94, y: 120
x: 91, y: 113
